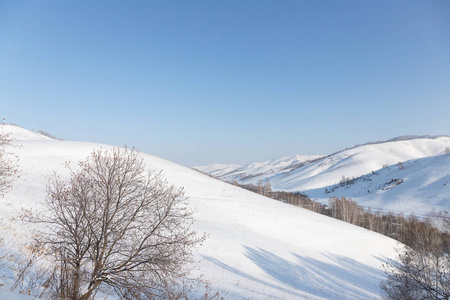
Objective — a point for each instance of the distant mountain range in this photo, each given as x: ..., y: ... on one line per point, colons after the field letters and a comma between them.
x: 242, y: 173
x: 321, y: 177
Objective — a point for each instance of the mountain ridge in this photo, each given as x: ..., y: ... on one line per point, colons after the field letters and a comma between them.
x: 343, y: 165
x: 419, y: 185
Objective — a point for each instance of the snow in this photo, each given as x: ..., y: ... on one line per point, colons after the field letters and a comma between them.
x: 254, y: 170
x: 217, y: 170
x: 359, y: 161
x: 8, y: 295
x: 257, y: 248
x: 355, y: 162
x: 422, y: 185
x: 20, y: 133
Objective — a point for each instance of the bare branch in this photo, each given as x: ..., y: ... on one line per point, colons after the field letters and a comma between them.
x: 8, y: 162
x: 117, y: 225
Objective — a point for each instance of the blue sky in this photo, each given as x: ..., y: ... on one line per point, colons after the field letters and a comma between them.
x: 200, y: 82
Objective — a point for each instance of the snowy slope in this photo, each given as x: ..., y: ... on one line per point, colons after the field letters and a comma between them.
x: 218, y: 170
x: 420, y: 186
x: 255, y: 171
x: 286, y: 174
x: 20, y: 133
x: 417, y: 195
x: 356, y: 162
x: 257, y: 248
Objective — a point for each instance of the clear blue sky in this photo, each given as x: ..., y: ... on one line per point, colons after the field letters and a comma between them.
x: 199, y: 82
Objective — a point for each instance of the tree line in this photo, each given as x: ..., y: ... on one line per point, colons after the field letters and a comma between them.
x: 394, y: 225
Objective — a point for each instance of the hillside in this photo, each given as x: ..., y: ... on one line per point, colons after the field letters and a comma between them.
x: 248, y: 173
x: 420, y: 186
x: 352, y: 163
x: 218, y: 170
x: 257, y: 248
x: 356, y: 162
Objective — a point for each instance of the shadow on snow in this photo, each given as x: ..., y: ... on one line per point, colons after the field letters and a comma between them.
x: 340, y: 278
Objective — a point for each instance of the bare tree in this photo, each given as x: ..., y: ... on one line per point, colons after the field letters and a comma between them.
x: 8, y: 162
x: 260, y: 187
x: 117, y: 226
x: 422, y: 270
x: 267, y: 188
x: 346, y: 210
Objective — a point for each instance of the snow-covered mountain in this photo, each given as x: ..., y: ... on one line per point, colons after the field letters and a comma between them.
x: 260, y: 170
x: 356, y: 162
x: 218, y: 170
x: 257, y: 248
x: 418, y: 186
x: 352, y: 163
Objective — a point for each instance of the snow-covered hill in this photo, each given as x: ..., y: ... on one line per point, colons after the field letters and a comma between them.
x: 353, y: 163
x: 259, y: 170
x: 356, y: 162
x: 20, y: 133
x: 418, y: 186
x: 218, y: 170
x: 257, y: 248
